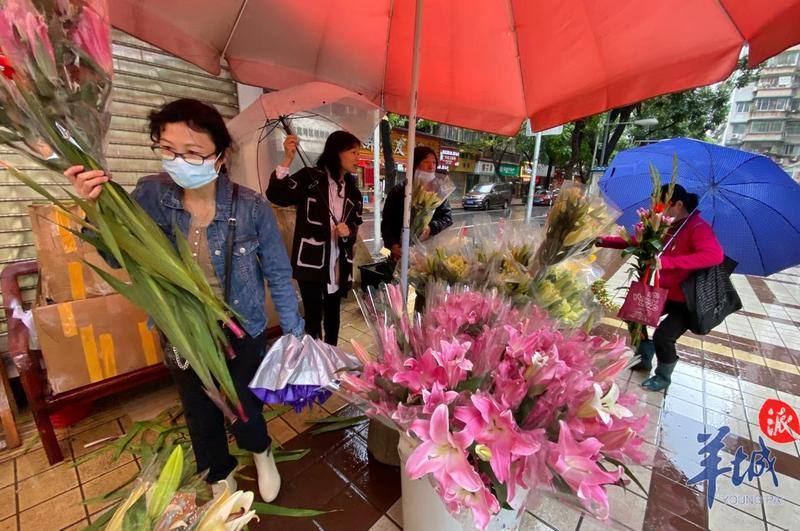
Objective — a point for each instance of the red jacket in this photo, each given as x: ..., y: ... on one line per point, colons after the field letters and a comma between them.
x: 694, y: 248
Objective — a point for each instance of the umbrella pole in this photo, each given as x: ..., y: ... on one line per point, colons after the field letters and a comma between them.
x: 377, y: 191
x: 412, y: 138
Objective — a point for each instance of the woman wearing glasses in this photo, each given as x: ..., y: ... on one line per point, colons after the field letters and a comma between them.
x: 195, y: 195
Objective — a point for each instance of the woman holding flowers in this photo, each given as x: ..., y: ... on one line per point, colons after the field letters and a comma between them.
x: 234, y: 237
x: 425, y: 162
x: 328, y: 204
x: 691, y: 245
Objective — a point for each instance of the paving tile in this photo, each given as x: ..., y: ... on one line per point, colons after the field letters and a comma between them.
x: 556, y: 514
x: 35, y: 461
x: 102, y: 464
x: 677, y: 500
x: 298, y: 420
x: 58, y: 513
x: 691, y: 382
x: 692, y: 410
x: 728, y: 407
x: 6, y: 473
x: 107, y: 483
x: 8, y: 502
x: 355, y: 512
x: 788, y: 488
x: 686, y: 394
x: 280, y: 431
x: 784, y: 514
x: 9, y: 524
x: 722, y: 517
x: 83, y: 524
x: 46, y: 485
x: 743, y: 497
x: 93, y: 434
x: 395, y: 512
x: 384, y: 524
x: 380, y: 483
x: 531, y: 523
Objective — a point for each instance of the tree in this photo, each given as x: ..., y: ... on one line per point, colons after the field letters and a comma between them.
x: 390, y: 167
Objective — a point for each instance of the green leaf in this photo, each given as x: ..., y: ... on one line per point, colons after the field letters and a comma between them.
x: 627, y: 470
x: 283, y: 456
x: 277, y: 510
x: 470, y: 384
x: 276, y: 412
x: 525, y: 408
x: 347, y: 423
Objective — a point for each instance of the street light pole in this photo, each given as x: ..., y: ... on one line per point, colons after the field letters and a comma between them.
x: 532, y: 185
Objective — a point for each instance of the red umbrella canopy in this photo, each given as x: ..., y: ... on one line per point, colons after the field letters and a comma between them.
x: 485, y: 64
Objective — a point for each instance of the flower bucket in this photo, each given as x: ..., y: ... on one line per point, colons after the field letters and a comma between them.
x: 382, y: 443
x: 423, y: 509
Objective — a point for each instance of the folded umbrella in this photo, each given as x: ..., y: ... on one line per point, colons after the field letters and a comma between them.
x: 298, y: 372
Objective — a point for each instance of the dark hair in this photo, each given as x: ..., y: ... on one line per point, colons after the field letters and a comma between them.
x: 680, y: 194
x: 421, y: 153
x: 195, y: 114
x: 337, y: 142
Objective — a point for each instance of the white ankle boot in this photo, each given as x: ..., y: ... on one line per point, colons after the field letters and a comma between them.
x: 218, y: 488
x: 269, y: 480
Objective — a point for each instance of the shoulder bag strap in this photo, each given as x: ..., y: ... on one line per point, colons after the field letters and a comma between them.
x: 229, y: 241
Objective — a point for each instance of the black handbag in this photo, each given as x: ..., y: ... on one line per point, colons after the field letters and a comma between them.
x: 710, y: 296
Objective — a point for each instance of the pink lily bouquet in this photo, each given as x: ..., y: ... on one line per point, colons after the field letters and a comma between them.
x: 501, y: 405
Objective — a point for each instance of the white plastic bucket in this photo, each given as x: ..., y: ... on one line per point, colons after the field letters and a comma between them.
x: 423, y: 510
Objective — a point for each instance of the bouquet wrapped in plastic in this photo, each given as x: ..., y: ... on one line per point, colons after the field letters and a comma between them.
x: 54, y: 94
x: 166, y: 496
x: 426, y: 197
x: 498, y: 402
x: 573, y: 224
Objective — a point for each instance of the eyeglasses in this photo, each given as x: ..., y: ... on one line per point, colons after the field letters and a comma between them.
x: 165, y: 153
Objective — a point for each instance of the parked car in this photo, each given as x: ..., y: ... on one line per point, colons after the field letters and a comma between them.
x: 486, y: 196
x: 544, y: 199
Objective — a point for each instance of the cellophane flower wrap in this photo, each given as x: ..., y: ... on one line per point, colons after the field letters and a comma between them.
x: 426, y: 197
x: 649, y: 236
x: 498, y: 401
x: 166, y: 495
x: 55, y: 82
x: 502, y: 256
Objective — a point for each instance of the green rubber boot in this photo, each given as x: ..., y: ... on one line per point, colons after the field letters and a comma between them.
x: 645, y: 351
x: 661, y: 379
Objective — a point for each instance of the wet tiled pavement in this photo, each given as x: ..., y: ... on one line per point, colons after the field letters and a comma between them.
x: 722, y: 381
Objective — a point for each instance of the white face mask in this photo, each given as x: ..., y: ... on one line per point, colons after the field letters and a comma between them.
x: 424, y: 176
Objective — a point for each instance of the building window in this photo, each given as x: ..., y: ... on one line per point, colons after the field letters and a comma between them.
x: 775, y: 82
x: 787, y: 58
x: 772, y: 104
x: 767, y: 126
x: 793, y: 128
x: 743, y: 106
x: 791, y: 150
x: 739, y: 129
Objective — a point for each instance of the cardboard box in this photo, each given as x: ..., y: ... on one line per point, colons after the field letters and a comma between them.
x: 90, y: 340
x: 62, y: 256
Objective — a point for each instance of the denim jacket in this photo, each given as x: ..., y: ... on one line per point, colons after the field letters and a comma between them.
x: 258, y: 250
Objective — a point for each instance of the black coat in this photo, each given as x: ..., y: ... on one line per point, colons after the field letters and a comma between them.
x: 392, y: 217
x: 307, y: 190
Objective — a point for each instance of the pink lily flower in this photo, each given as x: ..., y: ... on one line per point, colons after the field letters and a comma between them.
x: 420, y: 374
x: 436, y: 397
x: 92, y: 34
x: 452, y: 358
x: 482, y: 504
x: 576, y: 463
x: 443, y: 453
x: 495, y: 427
